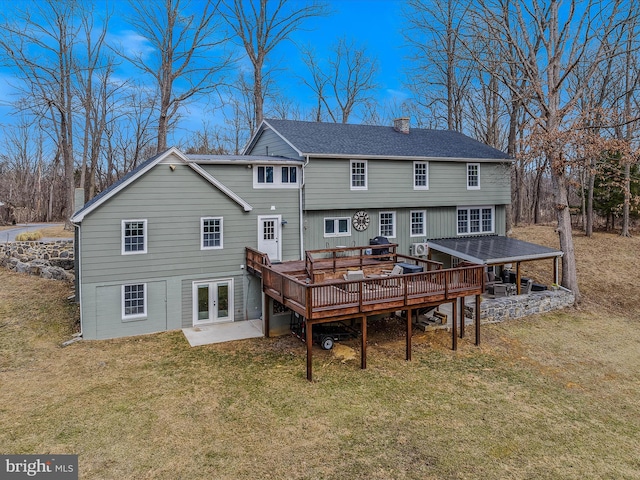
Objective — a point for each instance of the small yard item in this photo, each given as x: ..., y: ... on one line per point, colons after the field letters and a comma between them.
x: 325, y: 334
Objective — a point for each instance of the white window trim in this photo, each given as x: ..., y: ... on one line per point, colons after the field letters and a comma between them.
x: 481, y: 232
x: 393, y: 213
x: 421, y: 187
x: 473, y: 187
x: 424, y: 223
x: 137, y: 316
x: 366, y: 175
x: 277, y: 177
x: 202, y: 220
x: 335, y: 221
x: 144, y: 250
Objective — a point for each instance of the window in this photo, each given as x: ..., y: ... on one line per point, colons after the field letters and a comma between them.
x: 211, y: 233
x: 289, y: 174
x: 418, y: 223
x: 337, y: 227
x: 358, y: 175
x: 265, y: 174
x: 388, y: 224
x: 134, y: 301
x: 276, y: 176
x: 473, y: 176
x: 420, y: 176
x: 475, y: 220
x: 134, y: 237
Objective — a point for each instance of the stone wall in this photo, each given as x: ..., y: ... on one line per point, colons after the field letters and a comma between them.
x: 517, y: 306
x: 44, y: 259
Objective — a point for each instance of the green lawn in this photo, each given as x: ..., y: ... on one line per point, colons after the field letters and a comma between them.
x: 552, y: 396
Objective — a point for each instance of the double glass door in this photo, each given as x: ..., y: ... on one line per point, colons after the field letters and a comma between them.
x: 213, y: 302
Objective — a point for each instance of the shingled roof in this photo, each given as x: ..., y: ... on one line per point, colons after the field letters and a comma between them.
x: 336, y: 139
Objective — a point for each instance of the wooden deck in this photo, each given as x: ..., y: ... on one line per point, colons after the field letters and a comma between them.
x: 316, y: 289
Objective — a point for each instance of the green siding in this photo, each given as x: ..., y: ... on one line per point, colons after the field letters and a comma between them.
x: 271, y: 144
x: 441, y: 222
x: 173, y: 202
x: 390, y: 185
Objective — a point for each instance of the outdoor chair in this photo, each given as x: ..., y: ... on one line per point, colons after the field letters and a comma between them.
x: 353, y: 275
x: 500, y: 290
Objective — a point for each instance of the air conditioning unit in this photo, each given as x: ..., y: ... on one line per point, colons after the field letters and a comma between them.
x: 419, y: 249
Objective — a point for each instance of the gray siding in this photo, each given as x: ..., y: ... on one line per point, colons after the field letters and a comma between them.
x: 271, y: 144
x: 390, y: 185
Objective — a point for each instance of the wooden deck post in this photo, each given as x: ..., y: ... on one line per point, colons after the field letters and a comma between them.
x: 409, y: 333
x: 477, y: 319
x: 267, y: 317
x: 555, y: 271
x: 309, y: 342
x: 518, y: 287
x: 461, y: 315
x: 454, y: 325
x: 363, y: 349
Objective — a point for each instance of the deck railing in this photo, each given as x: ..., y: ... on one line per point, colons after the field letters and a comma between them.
x: 379, y: 293
x: 256, y: 260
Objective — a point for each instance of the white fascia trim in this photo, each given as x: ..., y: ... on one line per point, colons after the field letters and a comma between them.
x: 336, y: 156
x: 216, y: 183
x: 123, y: 185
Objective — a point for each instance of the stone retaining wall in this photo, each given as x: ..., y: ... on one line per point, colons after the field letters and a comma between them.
x: 44, y: 259
x: 517, y: 306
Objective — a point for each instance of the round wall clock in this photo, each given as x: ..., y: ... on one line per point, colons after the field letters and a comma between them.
x: 361, y: 220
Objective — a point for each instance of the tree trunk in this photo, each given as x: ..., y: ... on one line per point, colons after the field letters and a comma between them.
x: 569, y: 270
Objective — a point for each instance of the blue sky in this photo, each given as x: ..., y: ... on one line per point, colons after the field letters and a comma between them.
x: 374, y: 24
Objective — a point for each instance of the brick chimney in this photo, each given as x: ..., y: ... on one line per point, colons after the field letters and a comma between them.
x: 401, y: 125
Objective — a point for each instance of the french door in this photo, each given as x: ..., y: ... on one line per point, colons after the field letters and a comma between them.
x: 212, y: 302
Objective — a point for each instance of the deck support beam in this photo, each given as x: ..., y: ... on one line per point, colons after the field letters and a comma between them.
x: 477, y: 319
x: 309, y: 342
x: 363, y: 349
x: 409, y: 333
x: 461, y: 316
x: 454, y: 325
x: 267, y: 317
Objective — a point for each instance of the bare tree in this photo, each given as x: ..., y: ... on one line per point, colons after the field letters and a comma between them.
x: 188, y: 55
x: 38, y: 46
x: 566, y: 41
x: 440, y: 75
x: 260, y: 26
x: 345, y: 82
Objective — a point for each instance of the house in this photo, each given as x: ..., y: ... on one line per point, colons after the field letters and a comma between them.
x: 164, y: 248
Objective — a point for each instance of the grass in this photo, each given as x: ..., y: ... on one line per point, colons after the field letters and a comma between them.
x: 551, y: 396
x: 29, y: 236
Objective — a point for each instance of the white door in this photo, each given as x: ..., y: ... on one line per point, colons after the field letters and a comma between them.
x: 212, y: 302
x: 269, y: 229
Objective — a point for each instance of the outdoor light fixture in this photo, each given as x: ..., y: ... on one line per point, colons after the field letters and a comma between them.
x: 172, y: 167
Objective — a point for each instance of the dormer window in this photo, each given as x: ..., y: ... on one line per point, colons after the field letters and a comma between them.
x: 275, y: 176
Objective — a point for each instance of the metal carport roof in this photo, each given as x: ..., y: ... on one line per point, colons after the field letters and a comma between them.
x: 493, y: 250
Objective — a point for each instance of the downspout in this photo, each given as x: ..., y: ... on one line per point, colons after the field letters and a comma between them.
x: 78, y: 264
x: 300, y: 209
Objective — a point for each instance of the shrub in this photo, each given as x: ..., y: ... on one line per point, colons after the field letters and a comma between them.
x: 29, y: 236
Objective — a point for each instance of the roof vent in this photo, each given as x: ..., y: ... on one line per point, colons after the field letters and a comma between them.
x: 401, y: 125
